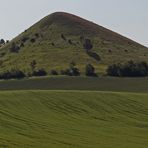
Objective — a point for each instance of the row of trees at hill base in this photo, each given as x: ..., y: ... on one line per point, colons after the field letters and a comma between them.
x: 129, y: 69
x: 72, y: 70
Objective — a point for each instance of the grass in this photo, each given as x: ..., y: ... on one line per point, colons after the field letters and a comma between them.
x: 82, y: 119
x: 78, y: 83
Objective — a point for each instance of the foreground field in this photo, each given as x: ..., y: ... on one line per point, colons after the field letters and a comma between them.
x: 73, y: 119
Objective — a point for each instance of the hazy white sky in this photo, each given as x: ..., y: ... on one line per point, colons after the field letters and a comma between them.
x: 127, y: 17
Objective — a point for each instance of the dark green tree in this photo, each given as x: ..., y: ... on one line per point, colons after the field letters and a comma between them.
x: 90, y: 71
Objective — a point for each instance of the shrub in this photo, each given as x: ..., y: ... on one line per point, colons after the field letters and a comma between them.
x: 82, y: 39
x: 126, y: 50
x: 2, y: 42
x: 14, y: 47
x: 7, y: 41
x: 70, y: 41
x: 53, y: 72
x: 36, y: 35
x: 90, y: 71
x: 22, y: 45
x: 33, y: 65
x: 32, y: 40
x: 113, y: 70
x: 87, y: 45
x: 25, y: 39
x: 63, y: 37
x: 110, y: 51
x: 12, y: 74
x: 52, y: 44
x: 71, y: 71
x: 40, y: 72
x: 66, y: 72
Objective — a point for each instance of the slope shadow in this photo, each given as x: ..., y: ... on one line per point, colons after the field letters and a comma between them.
x: 94, y: 55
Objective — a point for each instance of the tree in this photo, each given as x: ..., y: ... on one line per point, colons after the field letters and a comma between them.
x: 14, y: 47
x: 63, y: 37
x: 129, y: 69
x: 71, y: 71
x: 87, y: 45
x: 40, y: 72
x: 12, y: 74
x: 53, y: 72
x: 33, y: 65
x: 74, y: 71
x: 32, y: 40
x: 2, y: 42
x: 90, y: 70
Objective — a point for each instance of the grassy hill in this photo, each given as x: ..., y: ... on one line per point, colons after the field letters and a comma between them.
x: 72, y: 119
x: 58, y: 39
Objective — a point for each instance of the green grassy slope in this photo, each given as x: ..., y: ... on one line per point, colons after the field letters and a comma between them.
x: 73, y: 119
x: 110, y: 46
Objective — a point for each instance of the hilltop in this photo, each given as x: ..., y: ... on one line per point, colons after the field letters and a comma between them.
x: 59, y: 38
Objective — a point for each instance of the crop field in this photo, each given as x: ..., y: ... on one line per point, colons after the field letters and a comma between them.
x: 78, y: 83
x: 73, y: 119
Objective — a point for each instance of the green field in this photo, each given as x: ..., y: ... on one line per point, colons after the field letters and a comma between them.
x: 78, y: 83
x: 73, y: 119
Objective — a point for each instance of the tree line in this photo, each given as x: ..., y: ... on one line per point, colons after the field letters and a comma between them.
x: 129, y: 69
x: 72, y: 70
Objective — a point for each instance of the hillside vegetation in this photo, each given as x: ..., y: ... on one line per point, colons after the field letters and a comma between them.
x: 73, y: 119
x: 62, y: 38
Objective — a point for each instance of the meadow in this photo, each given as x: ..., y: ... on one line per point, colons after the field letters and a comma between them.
x: 73, y: 119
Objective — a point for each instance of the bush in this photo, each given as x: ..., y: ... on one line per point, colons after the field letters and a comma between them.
x: 53, y: 72
x: 14, y: 48
x: 66, y: 72
x: 12, y: 74
x: 32, y: 40
x: 53, y: 44
x: 7, y: 41
x: 70, y: 41
x: 22, y: 45
x: 2, y: 42
x: 71, y: 71
x: 87, y: 45
x: 33, y: 65
x: 90, y: 71
x: 25, y: 39
x: 40, y: 72
x: 63, y: 37
x: 113, y: 70
x: 82, y: 39
x: 37, y: 35
x: 129, y: 69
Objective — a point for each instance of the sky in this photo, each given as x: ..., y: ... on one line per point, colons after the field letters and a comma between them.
x: 127, y: 17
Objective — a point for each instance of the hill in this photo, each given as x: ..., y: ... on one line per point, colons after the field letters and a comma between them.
x: 59, y: 39
x: 73, y: 119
